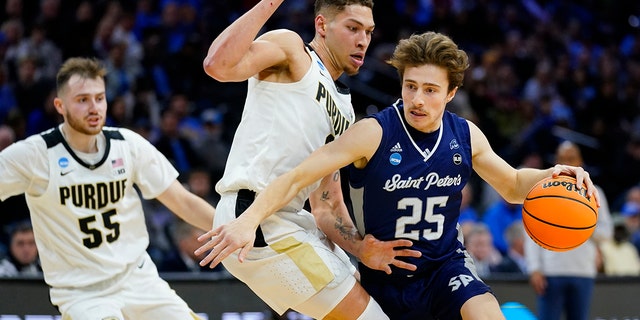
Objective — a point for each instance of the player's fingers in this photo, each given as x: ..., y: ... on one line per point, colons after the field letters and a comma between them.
x: 244, y: 251
x: 404, y: 265
x: 208, y: 259
x: 386, y: 268
x: 557, y: 170
x: 204, y: 248
x: 401, y: 243
x: 208, y: 235
x: 209, y: 245
x: 408, y: 253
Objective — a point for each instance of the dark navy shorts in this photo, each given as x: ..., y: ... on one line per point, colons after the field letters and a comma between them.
x: 430, y: 295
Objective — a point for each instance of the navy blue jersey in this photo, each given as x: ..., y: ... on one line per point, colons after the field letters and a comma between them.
x: 412, y: 186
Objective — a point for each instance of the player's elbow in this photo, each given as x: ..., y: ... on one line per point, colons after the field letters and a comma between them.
x: 217, y: 69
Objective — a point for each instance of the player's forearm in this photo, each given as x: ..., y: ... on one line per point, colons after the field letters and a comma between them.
x: 275, y: 196
x: 339, y: 229
x: 234, y: 42
x: 197, y: 212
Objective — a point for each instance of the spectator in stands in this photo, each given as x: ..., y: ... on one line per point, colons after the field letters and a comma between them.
x: 498, y: 217
x: 631, y: 213
x: 13, y: 209
x: 40, y: 47
x: 479, y: 244
x: 514, y: 261
x: 468, y: 213
x: 44, y: 117
x: 182, y: 258
x: 31, y: 91
x: 619, y: 255
x: 211, y: 145
x: 176, y: 147
x: 564, y: 281
x: 7, y: 97
x: 23, y: 255
x: 199, y: 182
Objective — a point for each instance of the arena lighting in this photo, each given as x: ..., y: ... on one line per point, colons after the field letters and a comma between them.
x: 634, y: 21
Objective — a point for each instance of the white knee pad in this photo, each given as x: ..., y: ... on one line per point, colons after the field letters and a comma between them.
x: 373, y: 311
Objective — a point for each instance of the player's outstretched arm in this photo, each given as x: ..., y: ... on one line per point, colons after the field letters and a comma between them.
x: 358, y: 142
x: 188, y: 206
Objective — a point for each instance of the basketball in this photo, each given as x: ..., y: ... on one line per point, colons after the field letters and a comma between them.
x: 558, y: 215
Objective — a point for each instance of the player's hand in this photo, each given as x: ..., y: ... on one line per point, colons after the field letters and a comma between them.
x: 582, y: 179
x: 380, y: 255
x: 224, y: 240
x: 538, y: 281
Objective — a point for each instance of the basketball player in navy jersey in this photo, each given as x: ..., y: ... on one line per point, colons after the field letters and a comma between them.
x: 294, y: 105
x: 78, y: 179
x: 410, y: 162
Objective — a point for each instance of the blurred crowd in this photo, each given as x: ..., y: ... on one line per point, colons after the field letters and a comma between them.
x: 542, y: 72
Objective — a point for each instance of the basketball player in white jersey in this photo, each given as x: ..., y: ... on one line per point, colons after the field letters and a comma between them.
x: 294, y: 105
x: 78, y: 179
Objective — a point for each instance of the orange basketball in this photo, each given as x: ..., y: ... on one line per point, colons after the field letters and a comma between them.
x: 558, y: 215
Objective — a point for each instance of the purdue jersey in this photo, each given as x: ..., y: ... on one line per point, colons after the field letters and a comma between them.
x: 412, y: 186
x: 87, y: 216
x: 280, y: 128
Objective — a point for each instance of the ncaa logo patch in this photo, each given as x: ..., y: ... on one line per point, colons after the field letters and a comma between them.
x: 63, y: 162
x: 395, y: 159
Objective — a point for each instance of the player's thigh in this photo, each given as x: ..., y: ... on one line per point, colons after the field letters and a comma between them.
x: 146, y: 296
x: 342, y: 299
x: 94, y: 309
x: 482, y: 307
x: 295, y: 269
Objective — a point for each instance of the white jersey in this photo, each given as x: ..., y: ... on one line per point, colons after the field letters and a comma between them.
x: 280, y: 127
x: 87, y: 217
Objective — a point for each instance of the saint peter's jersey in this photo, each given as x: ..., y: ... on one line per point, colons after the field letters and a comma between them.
x: 412, y: 186
x: 282, y: 123
x: 87, y: 217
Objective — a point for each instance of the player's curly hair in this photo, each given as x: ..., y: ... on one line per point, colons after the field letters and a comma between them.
x: 89, y: 68
x: 431, y: 48
x: 339, y: 5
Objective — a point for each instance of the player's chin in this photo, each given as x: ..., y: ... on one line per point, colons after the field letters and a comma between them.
x: 352, y: 71
x: 93, y: 130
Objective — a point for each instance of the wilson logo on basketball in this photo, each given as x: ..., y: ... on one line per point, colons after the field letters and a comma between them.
x: 566, y: 185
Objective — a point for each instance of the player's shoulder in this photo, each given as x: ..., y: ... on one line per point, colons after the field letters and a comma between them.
x: 288, y: 40
x: 27, y: 148
x: 121, y: 133
x: 281, y: 35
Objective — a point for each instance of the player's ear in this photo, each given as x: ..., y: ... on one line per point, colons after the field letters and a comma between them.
x: 57, y: 103
x: 321, y: 25
x: 451, y: 94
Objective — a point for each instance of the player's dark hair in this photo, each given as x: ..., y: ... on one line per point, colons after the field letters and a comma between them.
x: 339, y: 5
x: 88, y: 68
x: 431, y: 48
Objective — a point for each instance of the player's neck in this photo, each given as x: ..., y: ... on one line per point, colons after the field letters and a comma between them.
x: 327, y: 58
x: 79, y: 141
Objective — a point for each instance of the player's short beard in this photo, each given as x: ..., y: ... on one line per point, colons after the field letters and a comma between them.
x: 79, y: 127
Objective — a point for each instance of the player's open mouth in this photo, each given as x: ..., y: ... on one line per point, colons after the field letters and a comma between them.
x: 358, y: 59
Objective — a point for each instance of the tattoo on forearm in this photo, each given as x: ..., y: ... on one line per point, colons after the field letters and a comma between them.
x: 325, y: 196
x: 347, y: 232
x: 336, y: 176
